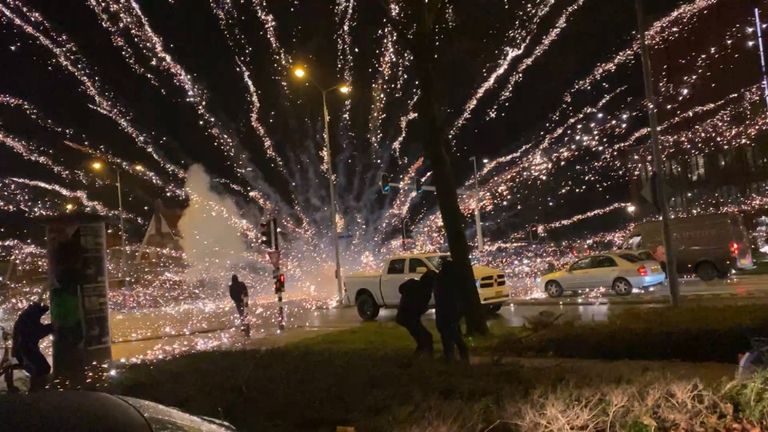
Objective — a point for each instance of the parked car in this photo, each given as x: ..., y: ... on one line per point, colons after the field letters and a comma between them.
x: 622, y: 271
x: 709, y: 246
x: 95, y: 411
x: 370, y: 292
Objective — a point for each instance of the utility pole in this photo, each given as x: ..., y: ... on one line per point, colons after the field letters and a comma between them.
x: 653, y: 118
x: 478, y: 222
x: 123, y: 257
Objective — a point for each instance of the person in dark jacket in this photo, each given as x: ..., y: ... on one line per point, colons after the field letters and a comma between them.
x: 27, y: 333
x: 414, y: 302
x: 239, y: 294
x: 7, y: 363
x: 447, y: 313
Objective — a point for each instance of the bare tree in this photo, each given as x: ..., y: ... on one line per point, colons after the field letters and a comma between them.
x: 434, y: 137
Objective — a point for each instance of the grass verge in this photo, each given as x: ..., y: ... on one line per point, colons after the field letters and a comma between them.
x: 695, y: 333
x: 363, y: 377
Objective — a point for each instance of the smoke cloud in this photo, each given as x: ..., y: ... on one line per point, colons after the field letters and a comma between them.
x: 211, y: 236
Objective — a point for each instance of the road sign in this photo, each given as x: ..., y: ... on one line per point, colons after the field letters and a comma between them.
x: 274, y: 257
x: 649, y: 191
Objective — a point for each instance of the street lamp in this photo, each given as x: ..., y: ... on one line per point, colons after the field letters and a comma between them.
x: 478, y: 223
x: 301, y: 73
x: 631, y: 209
x: 98, y: 166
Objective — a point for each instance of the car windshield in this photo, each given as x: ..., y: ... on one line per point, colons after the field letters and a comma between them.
x: 438, y: 260
x: 630, y: 257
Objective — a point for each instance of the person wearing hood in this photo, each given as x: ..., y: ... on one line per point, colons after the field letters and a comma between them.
x: 27, y: 333
x: 238, y: 292
x: 414, y: 302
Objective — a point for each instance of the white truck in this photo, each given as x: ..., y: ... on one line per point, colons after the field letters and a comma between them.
x: 369, y: 292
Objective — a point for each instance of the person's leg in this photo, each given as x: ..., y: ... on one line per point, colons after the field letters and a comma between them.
x: 446, y: 338
x: 461, y: 344
x: 38, y: 368
x: 411, y: 324
x: 424, y: 341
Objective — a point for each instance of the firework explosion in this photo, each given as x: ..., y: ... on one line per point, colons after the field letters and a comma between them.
x: 201, y: 95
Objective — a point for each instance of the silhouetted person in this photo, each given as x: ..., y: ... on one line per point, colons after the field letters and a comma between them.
x: 239, y: 294
x: 447, y: 314
x: 27, y: 333
x: 414, y: 302
x: 7, y: 363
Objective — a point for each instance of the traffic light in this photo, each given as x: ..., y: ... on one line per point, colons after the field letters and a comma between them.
x: 269, y: 234
x: 385, y: 186
x: 280, y: 283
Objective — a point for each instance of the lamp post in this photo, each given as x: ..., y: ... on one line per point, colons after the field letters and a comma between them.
x: 301, y: 73
x: 98, y: 166
x: 653, y: 120
x: 478, y: 222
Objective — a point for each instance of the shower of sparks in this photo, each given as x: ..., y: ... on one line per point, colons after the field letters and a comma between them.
x: 577, y: 147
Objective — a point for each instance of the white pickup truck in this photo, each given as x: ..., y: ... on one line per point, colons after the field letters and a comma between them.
x: 371, y: 291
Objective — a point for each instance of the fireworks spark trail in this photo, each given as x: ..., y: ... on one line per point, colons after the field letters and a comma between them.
x: 345, y: 12
x: 540, y: 49
x: 283, y: 62
x: 144, y: 172
x: 82, y: 196
x: 668, y: 28
x: 227, y: 16
x: 34, y: 113
x: 41, y: 119
x: 68, y: 57
x: 519, y: 42
x: 117, y: 28
x: 131, y: 18
x: 590, y: 214
x: 30, y: 152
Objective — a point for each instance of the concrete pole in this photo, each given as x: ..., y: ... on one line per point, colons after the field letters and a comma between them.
x: 478, y: 222
x: 334, y: 227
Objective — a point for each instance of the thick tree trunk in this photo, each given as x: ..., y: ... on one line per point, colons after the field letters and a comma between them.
x: 436, y: 145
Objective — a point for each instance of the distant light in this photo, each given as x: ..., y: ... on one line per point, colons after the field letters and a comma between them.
x: 486, y: 160
x: 139, y: 167
x: 345, y: 89
x: 97, y: 165
x: 69, y: 207
x: 631, y: 209
x: 299, y: 72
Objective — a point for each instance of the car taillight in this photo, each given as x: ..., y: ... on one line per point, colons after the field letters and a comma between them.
x: 734, y: 247
x: 642, y: 270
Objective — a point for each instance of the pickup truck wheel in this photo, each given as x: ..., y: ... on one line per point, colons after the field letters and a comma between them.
x: 494, y: 308
x: 367, y: 307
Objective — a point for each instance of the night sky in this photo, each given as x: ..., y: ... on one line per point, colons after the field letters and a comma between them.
x: 473, y: 38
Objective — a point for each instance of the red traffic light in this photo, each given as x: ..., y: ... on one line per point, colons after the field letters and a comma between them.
x: 281, y: 278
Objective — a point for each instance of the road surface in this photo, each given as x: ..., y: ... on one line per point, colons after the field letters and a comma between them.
x: 212, y: 325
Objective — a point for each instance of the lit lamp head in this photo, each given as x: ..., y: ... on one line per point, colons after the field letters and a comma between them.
x: 299, y: 72
x: 69, y: 207
x: 97, y: 165
x: 631, y: 209
x: 139, y: 167
x: 345, y: 89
